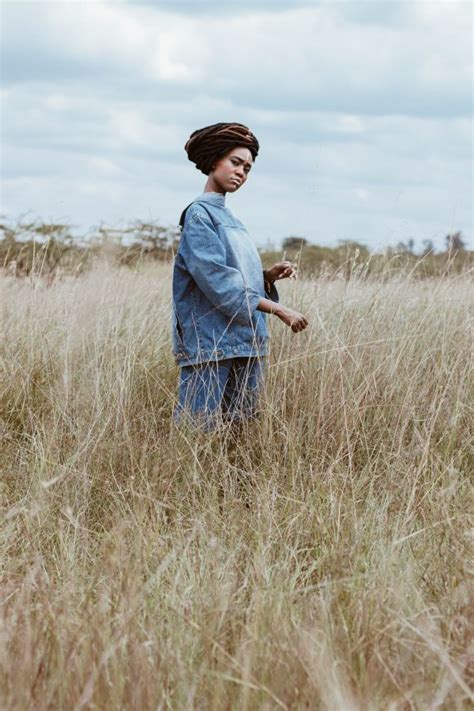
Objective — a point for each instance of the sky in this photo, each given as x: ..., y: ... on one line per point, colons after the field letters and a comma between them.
x: 362, y: 108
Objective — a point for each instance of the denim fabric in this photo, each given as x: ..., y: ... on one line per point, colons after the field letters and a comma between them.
x: 219, y: 391
x: 217, y: 284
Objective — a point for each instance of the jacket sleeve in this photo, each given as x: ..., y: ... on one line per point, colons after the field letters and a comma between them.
x: 204, y: 255
x: 271, y: 291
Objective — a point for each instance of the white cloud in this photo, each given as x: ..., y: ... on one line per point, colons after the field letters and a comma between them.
x: 362, y: 111
x: 306, y: 57
x: 104, y: 167
x: 362, y: 194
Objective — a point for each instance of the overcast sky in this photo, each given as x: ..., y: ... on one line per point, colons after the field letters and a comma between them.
x: 363, y: 111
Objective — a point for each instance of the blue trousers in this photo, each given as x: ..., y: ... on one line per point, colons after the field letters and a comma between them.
x: 222, y: 391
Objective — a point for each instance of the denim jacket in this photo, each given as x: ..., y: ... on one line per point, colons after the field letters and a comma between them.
x: 217, y: 284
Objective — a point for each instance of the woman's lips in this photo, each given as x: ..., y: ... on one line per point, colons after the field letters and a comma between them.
x: 236, y: 182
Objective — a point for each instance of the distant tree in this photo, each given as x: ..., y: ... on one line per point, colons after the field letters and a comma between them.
x: 154, y: 237
x: 428, y: 247
x: 50, y: 230
x: 407, y: 247
x: 294, y: 242
x: 455, y: 242
x: 353, y: 245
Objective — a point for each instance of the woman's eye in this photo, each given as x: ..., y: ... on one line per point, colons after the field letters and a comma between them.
x: 236, y: 162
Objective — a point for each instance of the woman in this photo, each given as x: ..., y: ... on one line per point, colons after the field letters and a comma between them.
x: 221, y: 294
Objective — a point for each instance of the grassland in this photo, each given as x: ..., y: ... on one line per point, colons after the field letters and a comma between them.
x: 319, y: 562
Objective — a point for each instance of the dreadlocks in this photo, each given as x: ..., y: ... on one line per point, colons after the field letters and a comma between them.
x: 208, y: 144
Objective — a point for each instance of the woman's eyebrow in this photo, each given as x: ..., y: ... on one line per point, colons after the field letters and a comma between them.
x: 243, y: 161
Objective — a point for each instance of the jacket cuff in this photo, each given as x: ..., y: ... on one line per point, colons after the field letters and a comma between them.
x: 248, y: 306
x: 271, y: 290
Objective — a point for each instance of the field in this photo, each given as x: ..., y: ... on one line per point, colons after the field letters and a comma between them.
x: 318, y: 562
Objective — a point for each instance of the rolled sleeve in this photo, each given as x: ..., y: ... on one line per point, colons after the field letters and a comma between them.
x: 270, y: 289
x: 204, y: 255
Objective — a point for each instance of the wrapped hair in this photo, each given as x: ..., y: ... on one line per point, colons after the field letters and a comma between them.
x: 208, y: 144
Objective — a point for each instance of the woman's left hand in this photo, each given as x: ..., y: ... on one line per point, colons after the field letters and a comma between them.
x: 280, y: 270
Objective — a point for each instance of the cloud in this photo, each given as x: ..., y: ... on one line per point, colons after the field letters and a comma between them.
x: 303, y: 57
x: 362, y: 111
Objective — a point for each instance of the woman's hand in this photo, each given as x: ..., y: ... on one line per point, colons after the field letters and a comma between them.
x: 296, y: 321
x: 280, y: 270
x: 293, y: 319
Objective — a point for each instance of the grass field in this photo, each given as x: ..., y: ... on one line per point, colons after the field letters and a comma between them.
x: 319, y: 563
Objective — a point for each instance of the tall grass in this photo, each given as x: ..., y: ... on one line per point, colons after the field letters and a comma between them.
x: 319, y: 562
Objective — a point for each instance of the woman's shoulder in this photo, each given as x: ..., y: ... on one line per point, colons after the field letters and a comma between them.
x: 199, y: 212
x: 217, y: 216
x: 192, y: 213
x: 220, y: 215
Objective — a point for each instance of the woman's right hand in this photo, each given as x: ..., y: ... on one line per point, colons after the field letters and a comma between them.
x: 296, y: 321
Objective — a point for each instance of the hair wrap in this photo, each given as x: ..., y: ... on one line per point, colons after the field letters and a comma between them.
x: 208, y: 144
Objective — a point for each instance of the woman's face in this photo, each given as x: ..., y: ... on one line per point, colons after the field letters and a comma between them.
x: 230, y: 172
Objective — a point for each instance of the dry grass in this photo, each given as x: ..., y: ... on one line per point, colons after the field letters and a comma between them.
x: 318, y: 564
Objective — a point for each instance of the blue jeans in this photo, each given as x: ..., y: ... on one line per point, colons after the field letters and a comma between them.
x: 222, y: 391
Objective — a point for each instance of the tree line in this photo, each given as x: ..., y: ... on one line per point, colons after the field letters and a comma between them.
x: 50, y: 249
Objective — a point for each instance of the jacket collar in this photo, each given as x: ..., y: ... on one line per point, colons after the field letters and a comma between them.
x: 214, y: 198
